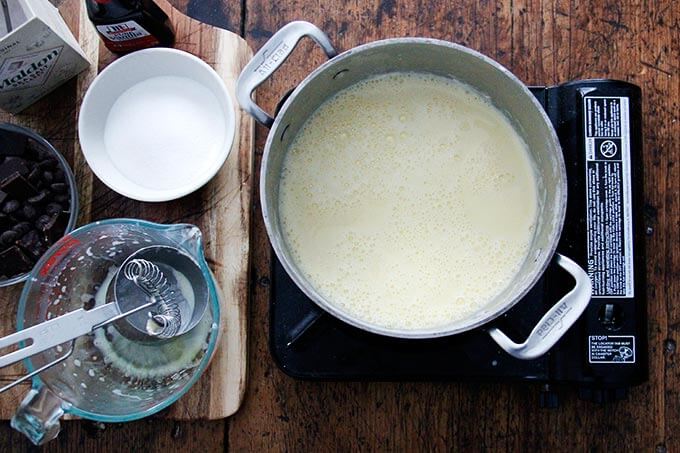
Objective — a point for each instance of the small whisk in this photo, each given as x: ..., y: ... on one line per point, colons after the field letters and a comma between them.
x: 167, y: 306
x: 165, y: 320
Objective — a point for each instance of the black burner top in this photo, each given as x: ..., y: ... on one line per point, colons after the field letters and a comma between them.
x: 598, y: 123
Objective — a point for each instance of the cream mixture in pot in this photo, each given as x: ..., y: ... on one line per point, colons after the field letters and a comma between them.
x: 408, y: 200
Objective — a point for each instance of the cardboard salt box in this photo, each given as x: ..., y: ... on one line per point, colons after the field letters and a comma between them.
x: 38, y: 52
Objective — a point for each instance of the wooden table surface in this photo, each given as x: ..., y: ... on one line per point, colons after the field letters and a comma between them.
x: 543, y: 42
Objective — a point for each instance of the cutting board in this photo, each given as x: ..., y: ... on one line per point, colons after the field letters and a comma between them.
x: 221, y: 209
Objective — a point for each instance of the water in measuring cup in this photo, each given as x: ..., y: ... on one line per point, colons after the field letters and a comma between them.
x: 151, y: 360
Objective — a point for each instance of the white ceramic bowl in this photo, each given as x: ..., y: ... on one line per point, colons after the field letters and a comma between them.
x: 98, y: 146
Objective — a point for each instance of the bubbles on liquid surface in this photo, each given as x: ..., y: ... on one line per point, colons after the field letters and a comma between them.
x: 408, y: 200
x: 150, y: 360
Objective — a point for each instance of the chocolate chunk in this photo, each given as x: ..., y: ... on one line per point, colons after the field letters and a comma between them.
x: 31, y: 244
x: 12, y: 143
x: 62, y: 198
x: 34, y: 175
x: 42, y: 221
x: 13, y: 165
x: 48, y: 177
x: 53, y: 208
x: 3, y: 196
x: 10, y: 206
x: 49, y: 162
x: 29, y: 212
x: 39, y: 199
x: 8, y: 237
x: 22, y: 228
x: 58, y: 187
x: 13, y: 261
x: 17, y: 186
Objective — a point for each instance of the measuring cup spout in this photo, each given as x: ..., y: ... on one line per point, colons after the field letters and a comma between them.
x: 189, y: 237
x: 38, y: 415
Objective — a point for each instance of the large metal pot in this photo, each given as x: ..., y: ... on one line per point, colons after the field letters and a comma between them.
x: 444, y: 59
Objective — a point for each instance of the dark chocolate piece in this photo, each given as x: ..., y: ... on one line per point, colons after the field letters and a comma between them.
x: 10, y: 206
x: 49, y: 162
x: 22, y: 228
x: 48, y: 177
x: 8, y: 237
x: 13, y: 261
x: 62, y: 198
x: 38, y: 199
x: 42, y: 221
x: 34, y: 175
x: 29, y: 212
x: 58, y: 187
x: 13, y: 165
x: 3, y: 196
x: 17, y: 186
x: 31, y: 244
x: 53, y: 208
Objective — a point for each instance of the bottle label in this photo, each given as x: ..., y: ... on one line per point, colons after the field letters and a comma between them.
x: 126, y: 36
x: 124, y: 31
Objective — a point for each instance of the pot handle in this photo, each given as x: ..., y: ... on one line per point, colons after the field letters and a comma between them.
x: 269, y: 58
x: 554, y: 324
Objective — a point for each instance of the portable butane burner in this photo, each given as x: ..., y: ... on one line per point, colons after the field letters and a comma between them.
x: 599, y: 126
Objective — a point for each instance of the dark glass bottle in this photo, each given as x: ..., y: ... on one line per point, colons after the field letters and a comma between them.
x: 128, y: 25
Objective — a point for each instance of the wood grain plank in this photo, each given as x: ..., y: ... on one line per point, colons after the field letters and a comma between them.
x: 658, y: 64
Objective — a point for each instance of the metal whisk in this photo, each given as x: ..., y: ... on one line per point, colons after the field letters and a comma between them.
x: 165, y: 320
x: 170, y: 313
x: 68, y: 327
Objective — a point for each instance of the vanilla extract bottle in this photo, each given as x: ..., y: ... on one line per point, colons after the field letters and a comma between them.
x: 129, y: 25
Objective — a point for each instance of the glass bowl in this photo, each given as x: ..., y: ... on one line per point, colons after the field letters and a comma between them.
x: 70, y: 179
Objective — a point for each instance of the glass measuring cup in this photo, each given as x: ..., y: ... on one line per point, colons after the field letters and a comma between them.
x: 108, y: 377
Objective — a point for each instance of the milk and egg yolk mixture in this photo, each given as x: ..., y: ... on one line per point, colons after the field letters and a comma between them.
x: 408, y: 200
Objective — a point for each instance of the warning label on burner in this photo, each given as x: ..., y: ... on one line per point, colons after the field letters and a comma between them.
x: 608, y: 196
x: 611, y: 349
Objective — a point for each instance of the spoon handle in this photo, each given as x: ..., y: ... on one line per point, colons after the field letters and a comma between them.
x: 55, y: 331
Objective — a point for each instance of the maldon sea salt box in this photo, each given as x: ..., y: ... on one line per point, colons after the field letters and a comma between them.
x: 37, y: 52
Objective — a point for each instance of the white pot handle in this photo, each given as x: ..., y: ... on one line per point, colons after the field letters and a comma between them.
x: 554, y: 324
x: 269, y: 58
